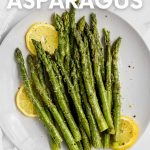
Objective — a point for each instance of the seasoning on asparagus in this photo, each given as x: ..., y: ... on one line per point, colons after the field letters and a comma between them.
x: 53, y: 145
x: 61, y: 38
x: 99, y: 81
x: 91, y: 93
x: 95, y: 136
x: 75, y: 72
x: 79, y: 109
x: 38, y: 105
x: 60, y: 80
x: 116, y: 89
x: 108, y: 82
x: 66, y: 21
x: 57, y: 90
x: 40, y: 74
x: 96, y: 35
x: 80, y: 27
x: 81, y: 24
x: 62, y: 125
x: 80, y: 145
x: 72, y: 15
x: 85, y: 140
x: 74, y: 76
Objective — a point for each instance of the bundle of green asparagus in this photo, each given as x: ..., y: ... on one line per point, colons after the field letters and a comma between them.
x: 78, y: 87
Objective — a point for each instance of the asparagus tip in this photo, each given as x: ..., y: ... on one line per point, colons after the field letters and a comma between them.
x: 18, y: 55
x: 29, y: 58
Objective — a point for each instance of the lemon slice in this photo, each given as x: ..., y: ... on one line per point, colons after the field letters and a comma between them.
x: 46, y: 34
x: 128, y: 133
x: 24, y: 104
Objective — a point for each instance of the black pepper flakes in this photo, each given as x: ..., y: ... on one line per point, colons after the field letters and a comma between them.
x: 134, y: 116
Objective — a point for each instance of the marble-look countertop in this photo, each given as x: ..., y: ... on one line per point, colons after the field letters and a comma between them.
x: 140, y: 20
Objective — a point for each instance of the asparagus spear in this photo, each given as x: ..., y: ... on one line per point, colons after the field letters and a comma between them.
x: 57, y: 90
x: 72, y: 24
x: 80, y: 145
x: 55, y: 68
x: 99, y: 81
x: 66, y: 20
x: 62, y: 125
x: 116, y: 88
x: 74, y: 75
x: 85, y: 140
x: 94, y: 30
x: 72, y: 16
x: 50, y: 91
x: 75, y: 72
x: 89, y: 64
x: 40, y: 73
x: 91, y: 93
x: 61, y: 38
x: 78, y: 107
x: 81, y: 24
x: 108, y: 83
x: 80, y: 27
x: 38, y: 105
x: 53, y: 145
x: 95, y: 136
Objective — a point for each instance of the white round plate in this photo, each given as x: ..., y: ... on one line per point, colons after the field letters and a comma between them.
x: 29, y: 134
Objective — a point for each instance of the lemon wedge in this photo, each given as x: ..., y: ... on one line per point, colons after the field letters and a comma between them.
x: 24, y: 104
x: 128, y: 133
x: 44, y: 33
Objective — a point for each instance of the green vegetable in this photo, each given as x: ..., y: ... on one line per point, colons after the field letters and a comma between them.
x: 116, y: 88
x: 75, y: 72
x: 108, y: 83
x: 38, y: 105
x: 95, y: 136
x: 95, y: 33
x: 59, y: 25
x: 74, y: 76
x: 78, y: 107
x: 80, y: 145
x: 40, y: 74
x: 85, y: 140
x: 55, y: 99
x: 60, y: 80
x: 57, y: 90
x: 81, y: 24
x: 54, y: 146
x: 72, y: 15
x: 91, y: 93
x: 66, y: 20
x: 99, y: 81
x: 89, y: 64
x: 62, y: 125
